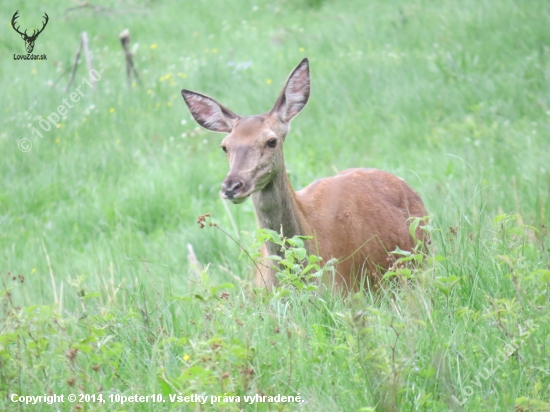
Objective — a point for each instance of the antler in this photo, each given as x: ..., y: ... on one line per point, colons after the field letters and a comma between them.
x: 35, y: 35
x: 15, y: 16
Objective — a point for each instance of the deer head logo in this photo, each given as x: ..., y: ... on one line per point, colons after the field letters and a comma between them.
x: 29, y: 40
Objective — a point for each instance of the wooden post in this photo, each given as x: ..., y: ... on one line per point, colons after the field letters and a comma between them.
x: 124, y: 37
x: 89, y: 61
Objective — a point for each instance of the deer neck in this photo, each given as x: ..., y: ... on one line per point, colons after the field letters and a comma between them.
x: 277, y: 206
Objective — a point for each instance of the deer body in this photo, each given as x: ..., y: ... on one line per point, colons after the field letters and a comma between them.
x: 357, y: 216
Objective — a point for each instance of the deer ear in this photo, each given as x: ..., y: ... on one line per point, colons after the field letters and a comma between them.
x: 209, y: 113
x: 295, y: 94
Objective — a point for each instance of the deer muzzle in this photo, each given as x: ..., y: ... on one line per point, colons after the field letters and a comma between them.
x: 233, y: 188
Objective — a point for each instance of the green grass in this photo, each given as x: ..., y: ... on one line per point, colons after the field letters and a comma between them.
x: 96, y: 217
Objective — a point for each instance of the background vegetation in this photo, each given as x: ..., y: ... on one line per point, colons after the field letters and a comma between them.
x: 98, y: 294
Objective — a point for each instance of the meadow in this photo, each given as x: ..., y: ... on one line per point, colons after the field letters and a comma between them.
x: 109, y: 287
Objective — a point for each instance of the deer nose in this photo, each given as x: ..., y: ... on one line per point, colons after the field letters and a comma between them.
x: 231, y: 187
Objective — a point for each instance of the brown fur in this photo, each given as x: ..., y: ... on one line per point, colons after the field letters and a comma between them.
x: 360, y: 230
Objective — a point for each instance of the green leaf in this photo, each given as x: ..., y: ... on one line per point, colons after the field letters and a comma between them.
x: 83, y: 347
x: 313, y: 259
x: 273, y: 236
x: 296, y: 242
x: 544, y: 275
x: 183, y: 298
x: 318, y: 274
x: 413, y: 226
x: 427, y: 373
x: 91, y: 295
x: 300, y: 253
x: 195, y: 372
x: 398, y: 251
x: 308, y: 268
x: 498, y: 218
x: 389, y: 274
x: 164, y: 387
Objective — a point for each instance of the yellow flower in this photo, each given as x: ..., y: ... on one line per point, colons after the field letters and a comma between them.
x: 186, y: 357
x: 214, y: 50
x: 118, y: 141
x: 33, y: 270
x: 169, y: 104
x: 269, y: 81
x: 153, y: 46
x: 59, y: 125
x: 33, y: 71
x: 301, y: 50
x: 149, y: 91
x: 133, y: 84
x: 112, y: 110
x: 57, y: 140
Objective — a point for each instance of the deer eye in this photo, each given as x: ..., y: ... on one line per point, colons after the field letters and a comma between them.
x: 271, y: 143
x: 224, y: 149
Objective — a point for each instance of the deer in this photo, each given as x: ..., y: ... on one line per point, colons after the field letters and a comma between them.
x: 359, y: 216
x: 29, y: 40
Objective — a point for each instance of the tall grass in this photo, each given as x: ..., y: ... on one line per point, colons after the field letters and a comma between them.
x: 98, y: 293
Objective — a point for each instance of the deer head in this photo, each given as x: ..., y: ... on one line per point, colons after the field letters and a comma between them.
x: 29, y: 40
x: 254, y: 144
